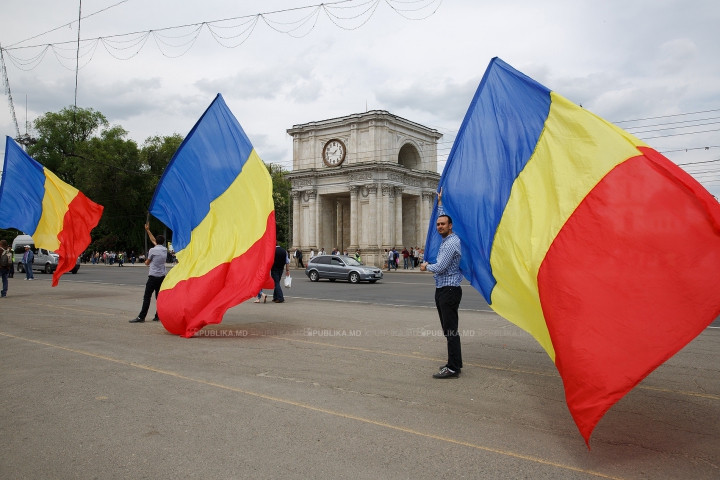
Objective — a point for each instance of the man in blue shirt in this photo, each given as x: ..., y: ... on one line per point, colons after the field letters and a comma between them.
x: 447, y: 290
x: 27, y: 260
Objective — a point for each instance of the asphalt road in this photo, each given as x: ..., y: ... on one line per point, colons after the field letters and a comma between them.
x: 399, y: 288
x: 319, y: 389
x: 402, y: 289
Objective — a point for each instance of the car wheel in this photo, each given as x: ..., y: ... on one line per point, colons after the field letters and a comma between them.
x: 20, y: 268
x: 354, y: 277
x: 75, y: 270
x: 314, y: 277
x: 372, y: 281
x: 48, y: 269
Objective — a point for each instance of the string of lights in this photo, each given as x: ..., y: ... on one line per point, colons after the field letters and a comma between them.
x: 340, y: 13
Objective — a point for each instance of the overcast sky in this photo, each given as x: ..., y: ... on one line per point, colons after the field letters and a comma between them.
x: 620, y: 59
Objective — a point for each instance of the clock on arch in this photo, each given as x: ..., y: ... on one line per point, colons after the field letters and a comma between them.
x: 334, y: 152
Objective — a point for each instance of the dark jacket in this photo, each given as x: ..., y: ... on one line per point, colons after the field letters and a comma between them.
x: 281, y: 257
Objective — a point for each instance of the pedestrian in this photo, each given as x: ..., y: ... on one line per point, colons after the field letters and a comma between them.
x: 358, y: 258
x: 282, y: 260
x: 27, y: 261
x: 312, y: 254
x: 299, y: 258
x: 447, y: 290
x: 121, y: 259
x: 6, y: 264
x: 132, y: 257
x: 396, y: 258
x: 406, y: 256
x: 157, y: 256
x: 416, y: 257
x: 322, y: 251
x: 390, y: 258
x: 261, y: 296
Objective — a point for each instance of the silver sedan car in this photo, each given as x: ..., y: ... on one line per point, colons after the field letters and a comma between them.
x: 343, y: 267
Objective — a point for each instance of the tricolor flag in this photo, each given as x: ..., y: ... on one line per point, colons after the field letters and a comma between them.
x: 216, y: 197
x: 35, y: 201
x: 579, y: 233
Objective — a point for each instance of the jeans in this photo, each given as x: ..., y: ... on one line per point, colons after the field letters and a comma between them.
x: 4, y: 272
x: 447, y: 301
x: 277, y: 292
x: 405, y: 263
x: 153, y: 285
x: 28, y: 270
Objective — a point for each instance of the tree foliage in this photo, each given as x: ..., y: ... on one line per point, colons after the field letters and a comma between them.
x: 98, y: 159
x: 83, y: 149
x: 281, y: 198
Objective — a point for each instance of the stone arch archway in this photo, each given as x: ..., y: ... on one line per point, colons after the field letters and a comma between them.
x: 409, y: 157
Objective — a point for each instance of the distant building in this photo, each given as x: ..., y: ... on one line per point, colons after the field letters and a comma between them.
x: 364, y: 181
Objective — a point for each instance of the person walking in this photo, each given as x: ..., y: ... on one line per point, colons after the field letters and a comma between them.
x: 6, y: 264
x: 157, y: 256
x: 282, y: 260
x: 27, y: 261
x: 299, y: 258
x: 447, y: 290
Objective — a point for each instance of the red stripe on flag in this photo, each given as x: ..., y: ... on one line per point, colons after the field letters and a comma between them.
x: 200, y: 301
x: 81, y: 217
x: 631, y: 278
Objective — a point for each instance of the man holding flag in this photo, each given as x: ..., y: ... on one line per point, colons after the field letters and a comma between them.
x: 447, y: 290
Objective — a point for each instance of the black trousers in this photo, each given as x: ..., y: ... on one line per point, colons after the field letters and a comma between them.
x: 153, y: 285
x: 447, y: 301
x: 277, y: 292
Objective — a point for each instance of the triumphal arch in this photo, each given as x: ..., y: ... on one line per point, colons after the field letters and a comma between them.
x: 365, y: 181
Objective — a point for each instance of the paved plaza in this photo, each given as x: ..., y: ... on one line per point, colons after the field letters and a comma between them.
x: 320, y: 389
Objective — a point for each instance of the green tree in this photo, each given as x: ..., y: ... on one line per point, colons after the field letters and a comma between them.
x: 63, y: 135
x: 281, y: 198
x: 98, y: 159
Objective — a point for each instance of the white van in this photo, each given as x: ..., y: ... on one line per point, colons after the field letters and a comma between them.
x: 45, y: 260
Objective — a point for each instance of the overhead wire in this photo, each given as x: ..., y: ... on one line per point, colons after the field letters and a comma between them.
x: 140, y: 37
x: 67, y: 24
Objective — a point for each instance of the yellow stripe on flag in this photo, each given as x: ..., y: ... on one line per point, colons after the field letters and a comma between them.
x: 236, y: 220
x: 58, y: 196
x: 575, y: 151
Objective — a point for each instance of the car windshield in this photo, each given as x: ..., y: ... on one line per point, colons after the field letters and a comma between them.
x: 351, y: 261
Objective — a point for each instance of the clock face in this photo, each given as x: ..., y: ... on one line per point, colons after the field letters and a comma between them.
x: 334, y: 153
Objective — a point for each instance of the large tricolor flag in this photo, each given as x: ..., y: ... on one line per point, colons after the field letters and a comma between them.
x: 35, y: 201
x: 582, y: 235
x: 216, y: 197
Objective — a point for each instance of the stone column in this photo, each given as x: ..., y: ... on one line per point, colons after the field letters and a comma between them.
x: 339, y: 225
x: 296, y: 236
x: 420, y: 227
x: 398, y: 218
x: 375, y: 238
x: 312, y: 224
x: 387, y: 215
x: 318, y: 221
x: 426, y: 210
x: 354, y: 192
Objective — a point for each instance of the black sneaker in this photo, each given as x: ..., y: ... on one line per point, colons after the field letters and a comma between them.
x: 445, y: 372
x: 137, y: 320
x: 156, y: 319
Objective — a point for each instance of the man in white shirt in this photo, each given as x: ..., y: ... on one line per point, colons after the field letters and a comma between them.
x: 157, y: 256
